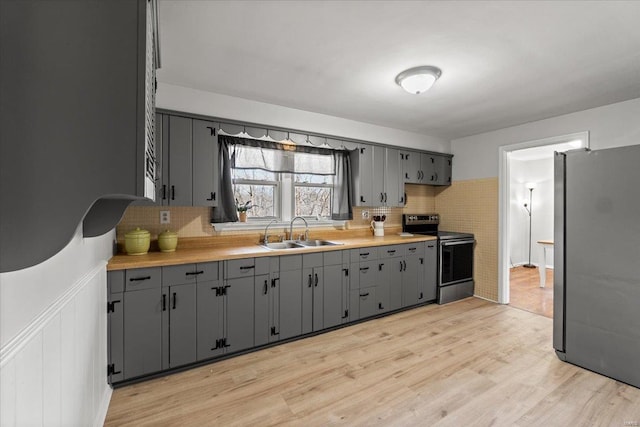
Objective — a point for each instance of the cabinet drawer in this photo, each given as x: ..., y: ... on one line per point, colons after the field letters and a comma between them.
x: 262, y: 265
x: 189, y: 273
x: 364, y: 254
x: 312, y: 260
x: 333, y: 258
x: 368, y: 304
x: 368, y: 274
x: 143, y: 278
x: 390, y: 251
x: 239, y: 268
x: 414, y: 249
x: 115, y: 281
x: 290, y: 262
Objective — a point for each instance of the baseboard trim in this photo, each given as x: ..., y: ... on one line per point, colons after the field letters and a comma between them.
x: 17, y: 343
x: 101, y: 414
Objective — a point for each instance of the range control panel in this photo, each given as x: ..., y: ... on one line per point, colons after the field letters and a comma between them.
x: 425, y: 219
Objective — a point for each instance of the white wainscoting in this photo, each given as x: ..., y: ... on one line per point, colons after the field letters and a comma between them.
x: 54, y: 372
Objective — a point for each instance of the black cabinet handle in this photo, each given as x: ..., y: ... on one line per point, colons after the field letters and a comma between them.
x: 266, y: 286
x: 164, y: 191
x: 316, y: 280
x: 194, y: 273
x: 381, y: 197
x: 164, y: 302
x: 364, y: 268
x: 412, y: 250
x: 406, y: 175
x: 392, y: 251
x: 273, y: 281
x: 174, y: 301
x: 385, y: 197
x: 421, y: 261
x: 139, y: 279
x: 310, y: 281
x: 247, y: 267
x: 213, y: 197
x: 364, y: 254
x: 346, y: 271
x: 430, y: 246
x: 364, y: 295
x: 405, y: 265
x: 173, y: 192
x: 436, y: 176
x: 400, y: 265
x: 380, y: 266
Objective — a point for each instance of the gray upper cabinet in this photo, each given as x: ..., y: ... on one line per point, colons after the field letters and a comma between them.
x: 76, y: 121
x: 205, y: 163
x: 443, y: 168
x: 179, y: 146
x: 362, y: 168
x: 426, y: 168
x: 410, y: 166
x: 376, y: 173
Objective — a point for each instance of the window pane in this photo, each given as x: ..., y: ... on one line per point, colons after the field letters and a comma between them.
x: 313, y: 201
x: 313, y: 179
x: 261, y: 196
x: 254, y: 174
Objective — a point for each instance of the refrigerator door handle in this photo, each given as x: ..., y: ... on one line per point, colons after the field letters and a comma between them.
x: 559, y: 254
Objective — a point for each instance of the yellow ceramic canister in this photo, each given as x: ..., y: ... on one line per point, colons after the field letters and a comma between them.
x: 136, y: 242
x: 168, y: 241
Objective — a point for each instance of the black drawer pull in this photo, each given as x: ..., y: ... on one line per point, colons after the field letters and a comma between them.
x: 430, y: 246
x: 316, y: 281
x: 164, y: 302
x: 364, y: 254
x: 194, y: 273
x: 174, y: 300
x: 173, y: 192
x: 393, y: 251
x: 364, y: 268
x: 164, y: 191
x: 139, y: 279
x: 310, y: 281
x: 365, y: 295
x: 247, y: 267
x: 412, y: 249
x: 266, y: 287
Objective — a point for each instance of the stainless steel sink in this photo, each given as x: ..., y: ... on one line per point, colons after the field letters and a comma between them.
x: 282, y: 245
x: 317, y: 243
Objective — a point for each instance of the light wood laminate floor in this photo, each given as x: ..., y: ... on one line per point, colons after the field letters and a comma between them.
x: 469, y: 363
x: 526, y: 293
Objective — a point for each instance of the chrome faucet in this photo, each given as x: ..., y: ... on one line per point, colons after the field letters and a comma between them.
x: 266, y: 236
x: 306, y: 231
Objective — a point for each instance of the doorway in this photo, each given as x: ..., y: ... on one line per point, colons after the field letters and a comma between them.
x: 525, y: 259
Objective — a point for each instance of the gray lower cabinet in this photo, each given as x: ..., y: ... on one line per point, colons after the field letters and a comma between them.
x: 142, y: 332
x: 211, y: 319
x: 364, y: 280
x: 412, y: 271
x: 179, y: 324
x: 389, y: 289
x: 312, y: 293
x: 290, y: 301
x: 239, y: 296
x: 428, y: 283
x: 335, y: 272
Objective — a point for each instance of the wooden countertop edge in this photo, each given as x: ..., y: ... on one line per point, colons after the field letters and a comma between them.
x: 221, y: 253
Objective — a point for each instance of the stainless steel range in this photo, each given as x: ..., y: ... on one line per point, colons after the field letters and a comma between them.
x: 455, y: 256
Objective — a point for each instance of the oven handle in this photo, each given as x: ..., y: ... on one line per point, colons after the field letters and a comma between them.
x: 457, y: 242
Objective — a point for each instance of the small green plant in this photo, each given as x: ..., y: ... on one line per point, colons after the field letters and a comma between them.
x: 243, y: 207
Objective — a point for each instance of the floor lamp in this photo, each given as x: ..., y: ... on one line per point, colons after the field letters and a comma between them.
x: 529, y: 208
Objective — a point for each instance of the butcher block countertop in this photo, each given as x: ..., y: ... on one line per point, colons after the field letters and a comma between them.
x: 212, y: 251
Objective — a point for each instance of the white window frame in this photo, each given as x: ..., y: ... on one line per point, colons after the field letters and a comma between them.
x: 277, y: 194
x: 304, y: 184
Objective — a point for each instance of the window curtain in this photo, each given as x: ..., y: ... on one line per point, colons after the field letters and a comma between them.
x: 226, y: 210
x: 342, y: 187
x: 280, y: 158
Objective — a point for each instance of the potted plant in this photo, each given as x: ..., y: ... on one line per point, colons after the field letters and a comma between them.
x: 242, y: 210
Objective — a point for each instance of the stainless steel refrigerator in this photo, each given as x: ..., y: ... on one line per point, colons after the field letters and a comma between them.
x: 596, y: 319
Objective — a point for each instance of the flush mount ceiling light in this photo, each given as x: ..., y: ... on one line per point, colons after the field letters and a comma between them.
x: 419, y: 79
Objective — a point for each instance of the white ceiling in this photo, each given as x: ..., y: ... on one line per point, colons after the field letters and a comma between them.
x: 503, y: 63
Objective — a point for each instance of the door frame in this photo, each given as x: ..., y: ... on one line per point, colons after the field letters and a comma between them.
x: 504, y: 189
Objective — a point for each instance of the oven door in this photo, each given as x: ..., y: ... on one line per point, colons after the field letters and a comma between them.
x: 456, y: 261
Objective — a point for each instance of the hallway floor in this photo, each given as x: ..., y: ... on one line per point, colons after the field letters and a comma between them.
x: 526, y: 293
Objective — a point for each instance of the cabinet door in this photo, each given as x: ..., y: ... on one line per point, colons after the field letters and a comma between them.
x: 210, y: 323
x: 429, y: 278
x: 290, y: 304
x: 180, y: 158
x: 411, y: 167
x: 333, y: 309
x: 142, y: 332
x: 205, y: 163
x: 262, y: 299
x: 162, y: 126
x: 239, y: 314
x: 182, y: 324
x: 378, y: 176
x: 382, y: 288
x: 412, y: 269
x: 312, y: 299
x: 365, y: 177
x: 442, y: 170
x: 391, y: 283
x: 115, y: 336
x: 393, y: 189
x: 274, y: 307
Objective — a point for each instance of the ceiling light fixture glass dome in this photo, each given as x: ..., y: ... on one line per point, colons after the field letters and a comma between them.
x: 419, y: 79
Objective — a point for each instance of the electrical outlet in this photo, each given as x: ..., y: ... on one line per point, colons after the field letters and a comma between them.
x: 365, y: 214
x: 165, y: 217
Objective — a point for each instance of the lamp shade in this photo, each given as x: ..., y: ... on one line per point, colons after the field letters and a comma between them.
x: 419, y: 79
